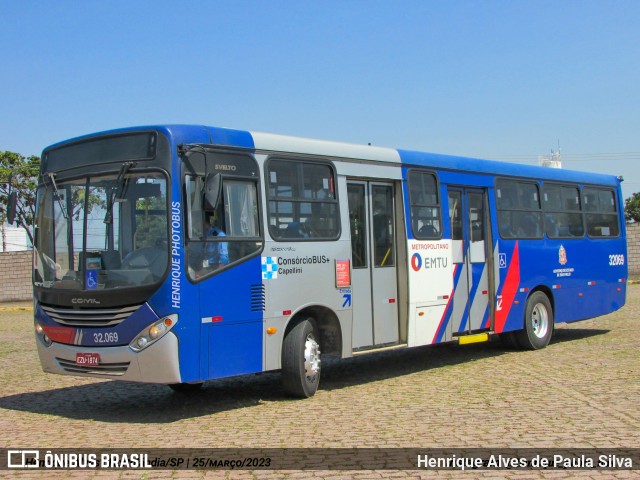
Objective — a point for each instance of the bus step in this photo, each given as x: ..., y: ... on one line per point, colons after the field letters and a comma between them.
x: 475, y: 338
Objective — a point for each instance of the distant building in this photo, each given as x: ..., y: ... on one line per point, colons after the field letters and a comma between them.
x: 553, y: 160
x: 13, y: 239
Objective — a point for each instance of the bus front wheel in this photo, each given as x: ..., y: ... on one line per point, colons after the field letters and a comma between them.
x: 301, y: 360
x: 538, y: 323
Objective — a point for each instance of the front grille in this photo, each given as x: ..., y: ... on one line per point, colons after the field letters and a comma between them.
x: 112, y: 369
x: 89, y: 317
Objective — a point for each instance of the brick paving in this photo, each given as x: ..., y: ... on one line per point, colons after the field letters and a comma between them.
x: 581, y: 391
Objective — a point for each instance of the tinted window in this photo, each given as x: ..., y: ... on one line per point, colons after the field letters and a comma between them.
x: 358, y: 224
x: 519, y: 212
x: 601, y: 215
x: 455, y: 214
x: 563, y: 211
x: 302, y: 201
x: 382, y: 224
x: 121, y: 148
x: 424, y: 205
x: 223, y: 234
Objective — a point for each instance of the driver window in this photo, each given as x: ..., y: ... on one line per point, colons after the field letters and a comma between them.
x: 223, y: 234
x: 193, y: 188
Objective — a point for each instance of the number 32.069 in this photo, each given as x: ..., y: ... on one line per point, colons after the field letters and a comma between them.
x: 108, y: 337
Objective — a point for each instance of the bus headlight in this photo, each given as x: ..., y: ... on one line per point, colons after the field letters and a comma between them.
x: 42, y: 336
x: 153, y: 333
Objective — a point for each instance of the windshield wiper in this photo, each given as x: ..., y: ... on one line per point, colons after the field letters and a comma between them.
x: 57, y: 192
x: 117, y: 192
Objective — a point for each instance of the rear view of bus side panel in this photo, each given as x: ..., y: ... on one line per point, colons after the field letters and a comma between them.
x: 586, y: 266
x: 581, y: 269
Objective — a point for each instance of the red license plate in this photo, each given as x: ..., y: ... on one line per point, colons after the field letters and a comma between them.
x: 88, y: 359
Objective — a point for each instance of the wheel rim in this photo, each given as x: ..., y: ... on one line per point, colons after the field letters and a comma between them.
x: 311, y: 358
x: 540, y: 320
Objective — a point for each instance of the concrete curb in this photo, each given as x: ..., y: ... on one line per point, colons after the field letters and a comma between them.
x: 16, y: 307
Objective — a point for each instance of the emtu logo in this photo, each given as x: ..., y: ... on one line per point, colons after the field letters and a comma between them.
x: 416, y: 262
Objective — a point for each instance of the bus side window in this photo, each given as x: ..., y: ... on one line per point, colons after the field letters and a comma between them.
x: 519, y: 209
x: 193, y: 191
x: 601, y: 215
x: 383, y: 229
x: 563, y: 211
x: 224, y: 235
x: 302, y: 201
x: 424, y: 202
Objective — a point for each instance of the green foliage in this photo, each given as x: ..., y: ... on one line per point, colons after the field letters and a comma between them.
x: 151, y: 221
x: 21, y: 173
x: 632, y: 208
x: 78, y: 198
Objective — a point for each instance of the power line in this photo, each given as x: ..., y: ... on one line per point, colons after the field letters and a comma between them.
x: 577, y: 157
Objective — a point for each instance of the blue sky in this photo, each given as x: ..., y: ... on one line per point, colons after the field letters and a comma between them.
x: 496, y: 79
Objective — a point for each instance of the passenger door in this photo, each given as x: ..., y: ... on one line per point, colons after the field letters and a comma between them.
x: 468, y: 216
x: 374, y: 264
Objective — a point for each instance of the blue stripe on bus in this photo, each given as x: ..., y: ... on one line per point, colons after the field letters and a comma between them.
x: 458, y: 269
x: 473, y: 291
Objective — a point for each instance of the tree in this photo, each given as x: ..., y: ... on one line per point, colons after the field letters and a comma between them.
x: 151, y: 225
x: 632, y: 208
x: 19, y: 173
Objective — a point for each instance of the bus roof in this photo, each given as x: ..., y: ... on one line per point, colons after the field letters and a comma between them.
x: 273, y: 142
x: 269, y: 142
x: 493, y: 167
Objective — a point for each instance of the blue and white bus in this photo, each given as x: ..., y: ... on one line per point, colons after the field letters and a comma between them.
x: 179, y: 254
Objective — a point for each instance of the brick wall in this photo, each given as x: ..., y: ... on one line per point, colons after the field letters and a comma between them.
x: 15, y: 276
x: 633, y: 249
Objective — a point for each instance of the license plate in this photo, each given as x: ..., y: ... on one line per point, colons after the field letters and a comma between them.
x: 87, y: 359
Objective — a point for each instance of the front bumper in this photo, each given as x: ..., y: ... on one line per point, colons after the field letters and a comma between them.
x: 159, y: 363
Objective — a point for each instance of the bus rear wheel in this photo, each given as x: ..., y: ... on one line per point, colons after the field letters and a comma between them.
x: 538, y: 323
x: 301, y: 364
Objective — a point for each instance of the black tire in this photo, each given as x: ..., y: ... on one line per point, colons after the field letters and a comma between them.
x: 301, y: 360
x: 186, y: 387
x: 538, y: 323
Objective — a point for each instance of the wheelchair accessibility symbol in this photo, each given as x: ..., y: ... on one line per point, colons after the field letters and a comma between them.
x: 92, y: 279
x: 502, y: 260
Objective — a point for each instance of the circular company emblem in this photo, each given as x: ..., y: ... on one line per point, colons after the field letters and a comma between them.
x: 416, y: 262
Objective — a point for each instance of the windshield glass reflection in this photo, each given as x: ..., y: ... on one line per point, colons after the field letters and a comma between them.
x: 102, y: 232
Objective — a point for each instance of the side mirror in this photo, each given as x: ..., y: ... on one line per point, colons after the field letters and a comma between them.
x: 12, y: 207
x: 213, y: 189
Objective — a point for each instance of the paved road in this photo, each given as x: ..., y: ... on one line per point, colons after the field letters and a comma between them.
x: 581, y: 391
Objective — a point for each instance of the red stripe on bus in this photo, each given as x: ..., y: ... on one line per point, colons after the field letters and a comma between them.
x: 509, y: 290
x: 61, y: 334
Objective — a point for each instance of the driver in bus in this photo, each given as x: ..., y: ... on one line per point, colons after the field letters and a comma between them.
x: 217, y: 253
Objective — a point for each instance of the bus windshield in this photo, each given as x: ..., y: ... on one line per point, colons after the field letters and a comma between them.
x: 102, y: 232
